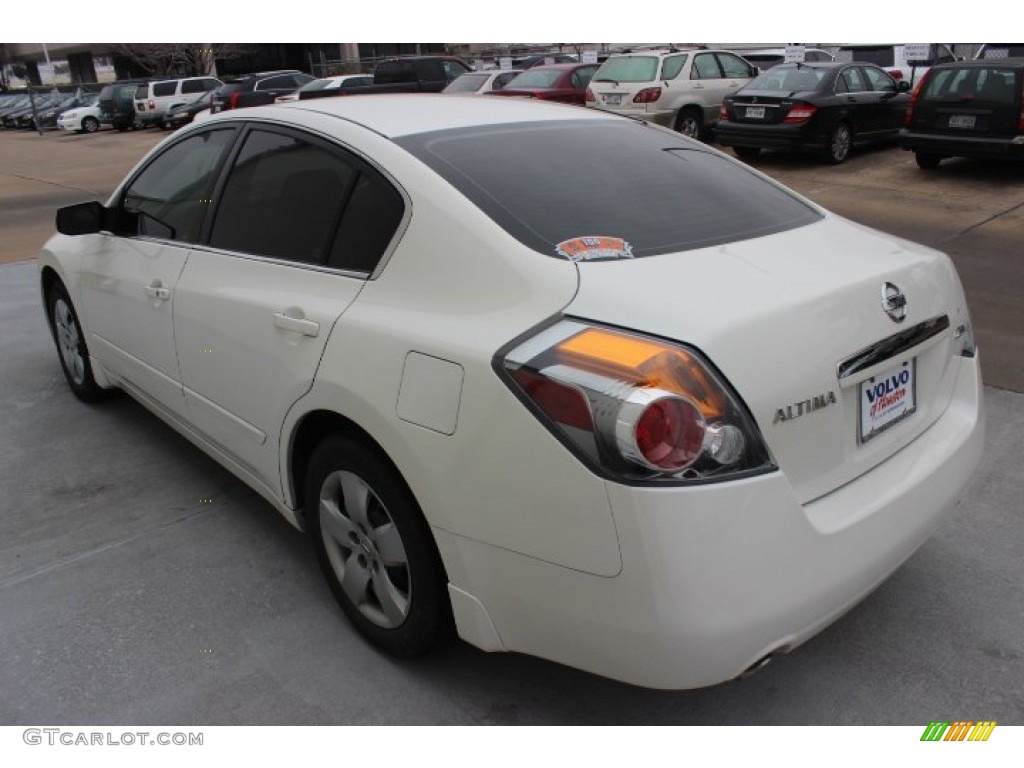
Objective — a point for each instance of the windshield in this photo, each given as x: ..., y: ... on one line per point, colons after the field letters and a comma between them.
x: 535, y: 78
x: 652, y: 188
x: 788, y: 78
x: 467, y: 83
x: 628, y: 69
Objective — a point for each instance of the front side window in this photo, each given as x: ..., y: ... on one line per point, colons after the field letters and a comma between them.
x: 197, y: 86
x: 170, y: 196
x: 282, y: 199
x: 704, y: 67
x: 733, y: 66
x: 878, y: 80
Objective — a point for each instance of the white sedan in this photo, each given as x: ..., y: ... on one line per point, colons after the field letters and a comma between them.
x: 84, y: 119
x: 571, y: 384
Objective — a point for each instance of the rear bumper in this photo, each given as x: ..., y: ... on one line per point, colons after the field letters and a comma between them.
x: 774, y: 136
x: 715, y: 578
x: 963, y: 146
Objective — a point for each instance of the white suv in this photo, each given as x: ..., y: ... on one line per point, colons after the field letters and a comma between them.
x: 680, y: 89
x: 153, y: 99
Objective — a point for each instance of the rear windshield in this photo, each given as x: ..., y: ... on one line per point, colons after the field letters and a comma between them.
x: 535, y: 78
x: 991, y: 85
x: 628, y: 69
x: 789, y: 79
x: 234, y: 87
x: 467, y: 83
x: 554, y: 181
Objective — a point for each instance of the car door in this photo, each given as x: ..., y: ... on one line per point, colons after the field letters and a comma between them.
x: 887, y: 114
x: 708, y: 84
x: 299, y: 224
x: 735, y: 71
x: 128, y: 279
x: 858, y: 106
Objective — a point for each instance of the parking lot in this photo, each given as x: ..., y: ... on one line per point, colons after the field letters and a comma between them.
x: 140, y: 582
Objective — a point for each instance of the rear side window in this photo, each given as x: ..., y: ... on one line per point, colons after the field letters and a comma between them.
x: 629, y: 69
x: 580, y: 78
x: 197, y: 86
x: 467, y: 83
x: 165, y: 89
x: 371, y: 218
x: 142, y: 92
x: 992, y: 85
x: 282, y: 199
x: 172, y: 191
x: 652, y: 188
x: 671, y: 67
x: 502, y: 80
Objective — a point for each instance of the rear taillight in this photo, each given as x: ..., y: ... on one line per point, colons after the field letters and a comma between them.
x: 233, y: 100
x: 152, y: 104
x: 635, y: 408
x: 800, y: 113
x: 723, y: 113
x: 647, y: 95
x: 590, y: 95
x: 897, y: 74
x: 908, y: 113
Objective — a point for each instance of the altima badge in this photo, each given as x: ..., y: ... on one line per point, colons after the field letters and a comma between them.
x: 796, y: 410
x: 894, y: 302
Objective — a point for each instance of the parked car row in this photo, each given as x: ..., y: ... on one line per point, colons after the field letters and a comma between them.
x: 43, y: 110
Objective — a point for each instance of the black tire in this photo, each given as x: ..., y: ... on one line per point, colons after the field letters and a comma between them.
x: 690, y: 122
x: 383, y: 544
x: 840, y: 143
x: 71, y: 348
x: 90, y: 124
x: 747, y: 153
x: 927, y: 162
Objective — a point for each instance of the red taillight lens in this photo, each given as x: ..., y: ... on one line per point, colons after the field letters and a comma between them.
x: 590, y: 95
x: 897, y: 74
x: 908, y: 113
x: 668, y: 433
x: 152, y: 104
x: 563, y: 403
x: 233, y: 101
x: 647, y: 95
x: 635, y: 407
x: 723, y: 113
x: 800, y: 113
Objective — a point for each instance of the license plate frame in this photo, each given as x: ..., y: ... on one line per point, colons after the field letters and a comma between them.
x: 613, y: 99
x: 895, y: 388
x: 754, y: 113
x: 963, y: 121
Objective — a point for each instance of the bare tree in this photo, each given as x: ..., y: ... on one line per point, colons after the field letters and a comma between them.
x: 178, y: 58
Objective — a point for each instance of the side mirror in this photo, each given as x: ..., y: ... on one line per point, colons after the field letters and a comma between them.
x: 81, y: 219
x: 903, y: 86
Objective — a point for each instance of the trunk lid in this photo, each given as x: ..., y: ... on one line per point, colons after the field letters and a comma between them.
x: 779, y: 314
x: 763, y: 107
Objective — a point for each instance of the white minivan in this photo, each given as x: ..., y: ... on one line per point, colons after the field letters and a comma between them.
x: 153, y: 99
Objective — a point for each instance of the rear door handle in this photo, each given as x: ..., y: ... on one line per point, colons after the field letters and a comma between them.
x: 155, y: 290
x: 296, y: 324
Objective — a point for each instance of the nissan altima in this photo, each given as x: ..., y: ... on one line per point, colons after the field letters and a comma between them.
x: 557, y: 381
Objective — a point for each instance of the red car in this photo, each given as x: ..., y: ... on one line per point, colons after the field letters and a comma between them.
x: 554, y: 82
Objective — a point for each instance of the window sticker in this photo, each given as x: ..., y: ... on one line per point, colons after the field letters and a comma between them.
x: 594, y: 248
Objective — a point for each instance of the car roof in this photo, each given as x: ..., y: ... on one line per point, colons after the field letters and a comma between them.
x: 394, y: 115
x: 564, y: 67
x: 1006, y: 62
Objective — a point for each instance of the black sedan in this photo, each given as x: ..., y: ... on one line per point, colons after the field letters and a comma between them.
x: 824, y: 107
x: 178, y: 115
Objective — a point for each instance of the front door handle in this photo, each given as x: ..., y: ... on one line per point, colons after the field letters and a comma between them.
x: 156, y: 290
x: 296, y: 324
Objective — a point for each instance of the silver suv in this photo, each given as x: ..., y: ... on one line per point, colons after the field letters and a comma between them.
x: 153, y: 99
x: 680, y: 89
